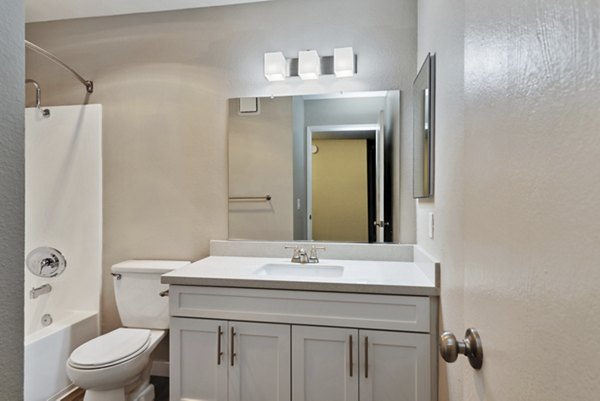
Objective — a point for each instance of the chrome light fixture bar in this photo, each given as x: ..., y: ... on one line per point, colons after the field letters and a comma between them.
x: 309, y: 65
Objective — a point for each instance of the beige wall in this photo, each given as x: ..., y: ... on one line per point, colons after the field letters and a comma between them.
x: 260, y: 163
x: 163, y: 80
x: 12, y: 200
x: 516, y: 203
x: 339, y: 190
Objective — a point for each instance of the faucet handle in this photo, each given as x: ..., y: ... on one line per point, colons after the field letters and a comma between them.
x: 313, y: 253
x: 296, y: 255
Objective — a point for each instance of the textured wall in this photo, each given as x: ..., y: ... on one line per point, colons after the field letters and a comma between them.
x: 12, y: 222
x: 163, y: 80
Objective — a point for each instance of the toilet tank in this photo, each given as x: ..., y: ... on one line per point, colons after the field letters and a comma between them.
x: 137, y: 292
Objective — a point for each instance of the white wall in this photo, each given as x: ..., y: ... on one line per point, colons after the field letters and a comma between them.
x: 12, y: 170
x: 517, y: 216
x: 163, y: 80
x: 441, y: 25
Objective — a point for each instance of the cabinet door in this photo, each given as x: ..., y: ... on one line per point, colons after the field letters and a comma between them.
x: 324, y: 364
x: 260, y: 367
x: 197, y: 371
x: 394, y: 366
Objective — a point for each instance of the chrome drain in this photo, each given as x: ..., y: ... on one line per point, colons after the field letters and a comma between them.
x: 46, y: 320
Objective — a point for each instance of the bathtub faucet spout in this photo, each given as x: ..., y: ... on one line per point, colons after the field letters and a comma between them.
x: 37, y: 291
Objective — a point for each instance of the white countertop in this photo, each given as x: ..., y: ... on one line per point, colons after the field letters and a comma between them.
x: 377, y: 277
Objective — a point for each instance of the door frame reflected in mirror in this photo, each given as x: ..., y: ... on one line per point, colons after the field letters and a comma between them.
x: 340, y: 132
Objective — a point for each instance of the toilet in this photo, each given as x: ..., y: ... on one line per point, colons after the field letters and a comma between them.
x: 116, y: 366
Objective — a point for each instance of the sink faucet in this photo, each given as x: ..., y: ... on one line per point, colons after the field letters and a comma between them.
x: 37, y: 291
x: 301, y: 255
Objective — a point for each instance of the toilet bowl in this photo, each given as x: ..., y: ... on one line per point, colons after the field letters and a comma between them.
x: 116, y: 366
x: 115, y: 363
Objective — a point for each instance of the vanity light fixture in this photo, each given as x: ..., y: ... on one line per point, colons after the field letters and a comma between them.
x: 309, y: 64
x: 275, y: 66
x: 343, y: 62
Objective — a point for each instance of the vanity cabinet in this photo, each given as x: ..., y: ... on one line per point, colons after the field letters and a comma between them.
x: 352, y: 365
x: 229, y: 361
x: 279, y: 345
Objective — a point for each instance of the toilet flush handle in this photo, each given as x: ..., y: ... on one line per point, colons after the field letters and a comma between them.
x: 164, y: 293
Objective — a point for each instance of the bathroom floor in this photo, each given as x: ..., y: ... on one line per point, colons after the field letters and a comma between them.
x: 161, y: 390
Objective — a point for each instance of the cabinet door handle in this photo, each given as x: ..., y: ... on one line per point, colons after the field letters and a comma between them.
x: 351, y: 357
x: 366, y: 357
x: 232, y: 345
x: 219, y: 340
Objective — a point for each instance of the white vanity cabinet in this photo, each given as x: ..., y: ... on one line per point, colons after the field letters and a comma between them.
x: 228, y: 360
x: 243, y: 344
x: 352, y: 365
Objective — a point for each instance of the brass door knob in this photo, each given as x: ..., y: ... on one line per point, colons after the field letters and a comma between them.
x: 471, y: 347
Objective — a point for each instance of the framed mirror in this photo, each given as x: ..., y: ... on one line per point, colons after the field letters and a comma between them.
x: 313, y: 168
x: 424, y: 129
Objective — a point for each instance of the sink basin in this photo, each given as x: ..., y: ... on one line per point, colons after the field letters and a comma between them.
x: 302, y: 270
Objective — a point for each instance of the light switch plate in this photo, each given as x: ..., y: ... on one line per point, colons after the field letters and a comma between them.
x: 430, y: 224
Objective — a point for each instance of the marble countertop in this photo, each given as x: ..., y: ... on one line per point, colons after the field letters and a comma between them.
x: 359, y: 276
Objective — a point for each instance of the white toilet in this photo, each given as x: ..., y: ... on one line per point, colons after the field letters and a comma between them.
x: 116, y: 366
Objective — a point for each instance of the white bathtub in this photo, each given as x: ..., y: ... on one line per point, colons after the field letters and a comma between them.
x: 47, y: 351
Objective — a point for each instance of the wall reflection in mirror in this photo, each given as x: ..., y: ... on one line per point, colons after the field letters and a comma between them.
x: 424, y: 129
x: 316, y: 167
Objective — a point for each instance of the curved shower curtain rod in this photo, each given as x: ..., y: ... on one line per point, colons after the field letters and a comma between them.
x: 89, y: 85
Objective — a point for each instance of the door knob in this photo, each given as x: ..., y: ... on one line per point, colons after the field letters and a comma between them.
x: 471, y: 347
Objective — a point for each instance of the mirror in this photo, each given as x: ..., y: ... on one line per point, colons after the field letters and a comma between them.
x: 423, y: 129
x: 314, y: 167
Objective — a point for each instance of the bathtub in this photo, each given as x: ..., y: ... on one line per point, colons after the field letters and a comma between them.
x: 47, y: 350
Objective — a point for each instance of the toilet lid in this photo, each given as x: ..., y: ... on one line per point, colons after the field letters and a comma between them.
x: 109, y: 349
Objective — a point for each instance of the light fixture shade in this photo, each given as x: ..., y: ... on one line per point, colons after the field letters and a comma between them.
x: 309, y: 64
x: 343, y: 62
x: 275, y: 66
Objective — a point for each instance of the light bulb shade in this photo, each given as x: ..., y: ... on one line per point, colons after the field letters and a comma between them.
x: 309, y: 64
x: 343, y: 62
x: 275, y: 66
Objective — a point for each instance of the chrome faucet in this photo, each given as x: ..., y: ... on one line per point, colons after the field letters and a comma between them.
x: 301, y: 255
x: 37, y: 291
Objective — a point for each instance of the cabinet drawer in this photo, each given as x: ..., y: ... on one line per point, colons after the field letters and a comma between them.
x: 387, y: 312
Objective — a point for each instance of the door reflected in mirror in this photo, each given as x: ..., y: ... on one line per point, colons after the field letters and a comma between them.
x: 314, y: 167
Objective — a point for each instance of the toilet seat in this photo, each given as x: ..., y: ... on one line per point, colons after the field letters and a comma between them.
x: 111, y: 349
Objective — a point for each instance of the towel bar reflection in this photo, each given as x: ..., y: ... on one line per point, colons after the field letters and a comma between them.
x: 265, y: 198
